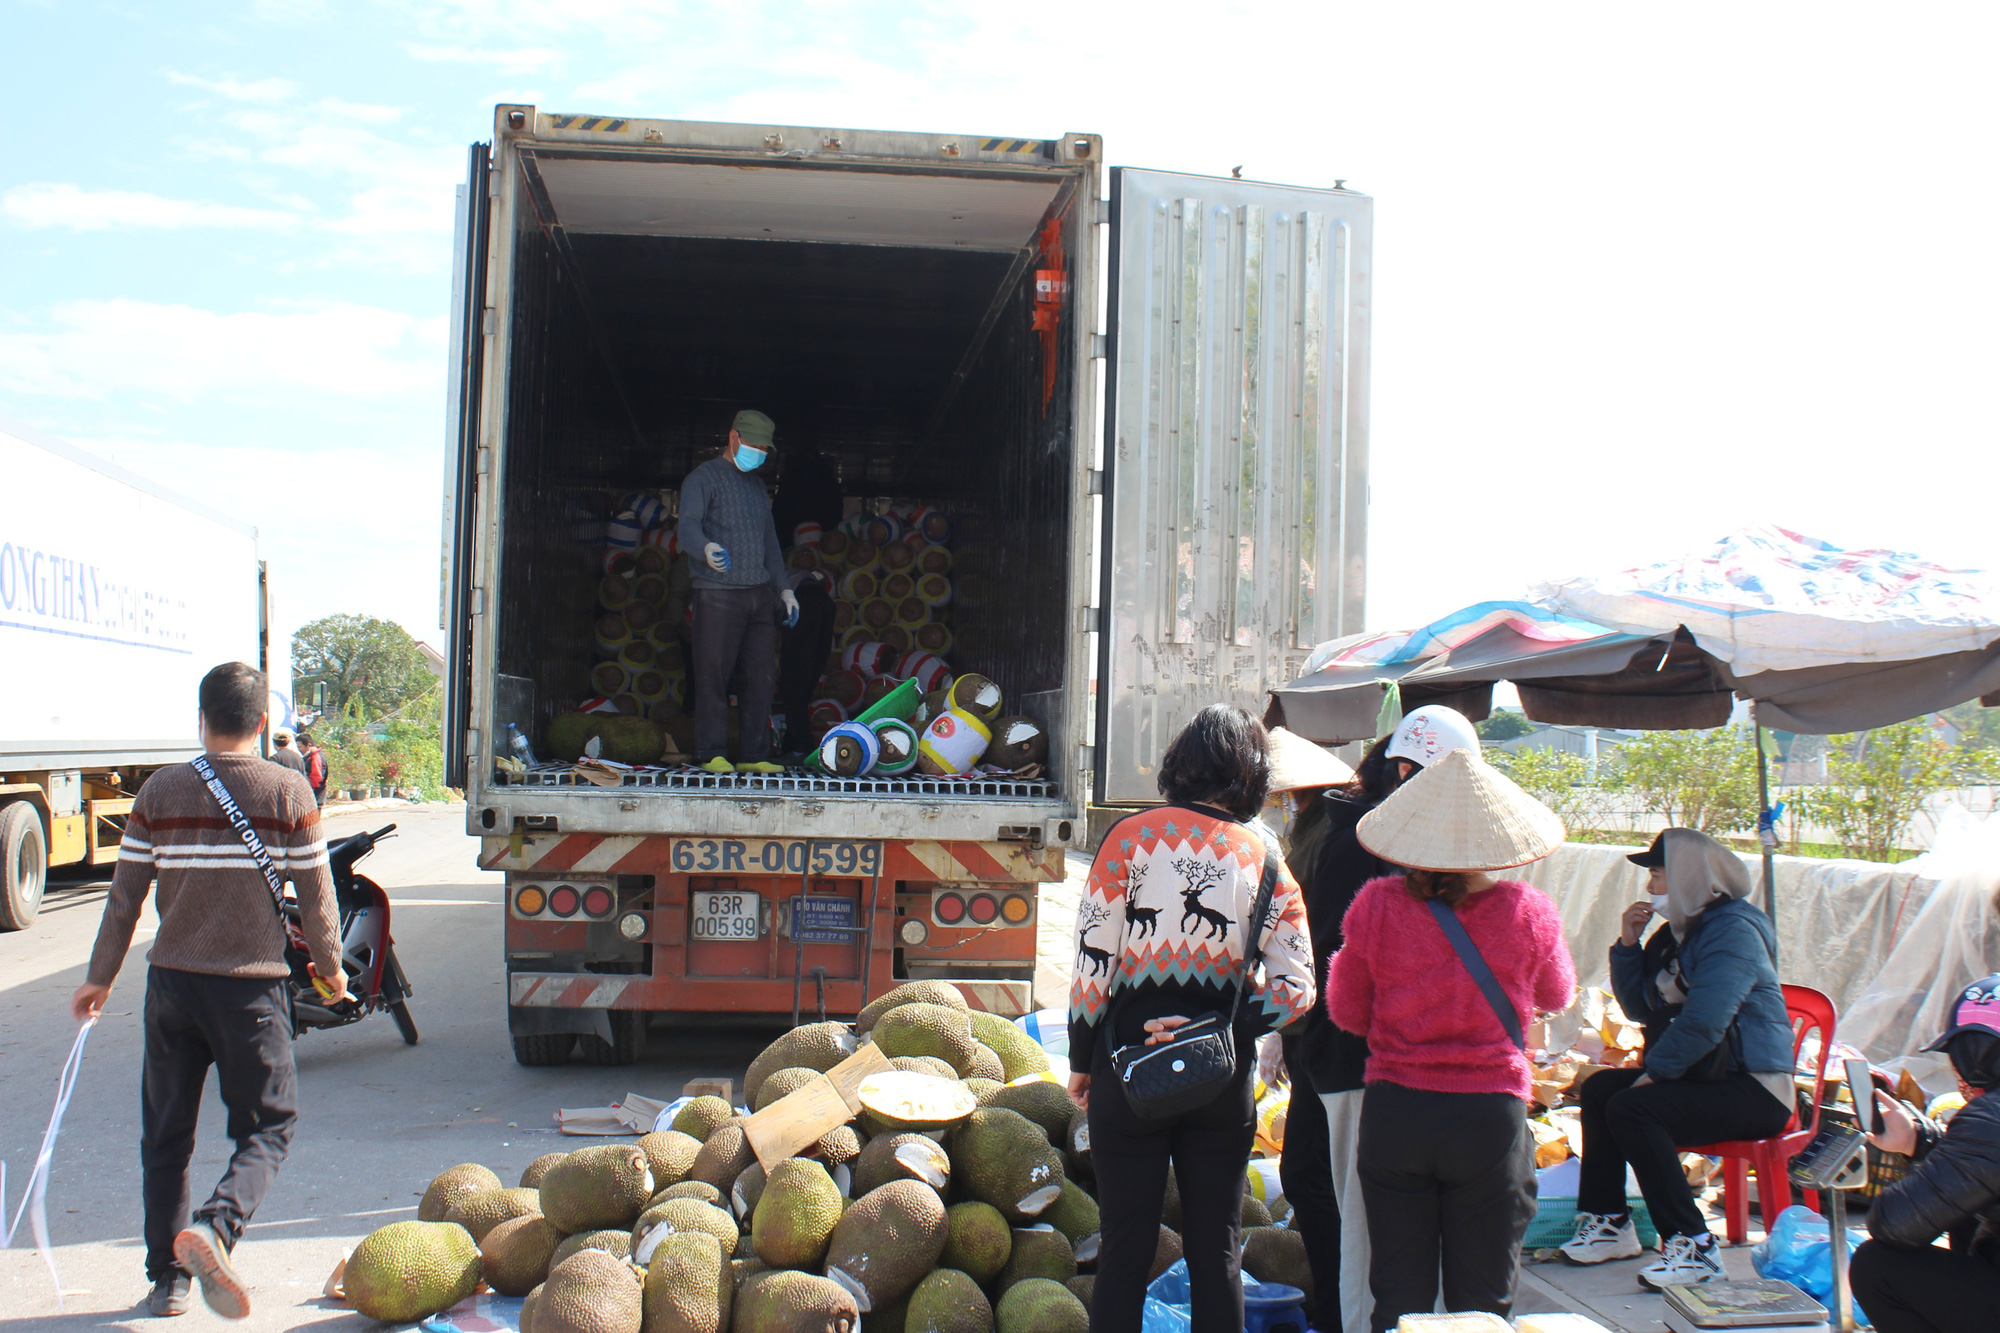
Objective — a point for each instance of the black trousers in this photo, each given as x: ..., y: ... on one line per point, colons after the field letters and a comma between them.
x: 1924, y: 1291
x: 1306, y: 1170
x: 802, y: 661
x: 242, y: 1026
x: 1210, y: 1150
x: 1449, y: 1178
x: 1647, y: 1127
x: 735, y: 635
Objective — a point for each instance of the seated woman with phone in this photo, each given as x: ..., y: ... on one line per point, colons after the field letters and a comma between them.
x: 1718, y: 1062
x: 1905, y: 1282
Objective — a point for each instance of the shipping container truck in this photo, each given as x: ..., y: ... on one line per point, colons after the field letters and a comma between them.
x: 116, y: 597
x: 1139, y: 396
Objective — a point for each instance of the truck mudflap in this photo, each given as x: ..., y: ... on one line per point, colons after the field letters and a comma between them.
x: 652, y: 854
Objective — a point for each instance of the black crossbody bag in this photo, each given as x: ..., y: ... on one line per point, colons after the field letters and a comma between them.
x: 1195, y: 1067
x: 1482, y: 975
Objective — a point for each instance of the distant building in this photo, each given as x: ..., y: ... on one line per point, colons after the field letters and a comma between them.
x: 432, y: 658
x: 1590, y: 744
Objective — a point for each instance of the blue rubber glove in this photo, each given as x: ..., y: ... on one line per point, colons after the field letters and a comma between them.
x: 717, y: 557
x: 791, y: 601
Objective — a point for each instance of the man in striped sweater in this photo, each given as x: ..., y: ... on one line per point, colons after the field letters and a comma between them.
x: 216, y: 984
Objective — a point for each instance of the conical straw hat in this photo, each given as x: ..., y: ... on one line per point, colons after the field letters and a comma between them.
x: 1461, y: 813
x: 1296, y: 762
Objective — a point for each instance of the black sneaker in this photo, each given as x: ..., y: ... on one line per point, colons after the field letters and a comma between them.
x: 201, y: 1252
x: 170, y: 1296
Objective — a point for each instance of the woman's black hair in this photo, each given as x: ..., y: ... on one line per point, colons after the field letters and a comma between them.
x: 1222, y: 758
x: 1374, y: 778
x: 1976, y: 1057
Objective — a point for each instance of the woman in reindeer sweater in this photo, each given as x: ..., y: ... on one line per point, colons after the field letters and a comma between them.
x: 1162, y: 933
x: 1442, y: 970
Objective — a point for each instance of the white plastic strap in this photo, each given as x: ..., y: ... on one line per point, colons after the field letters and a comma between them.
x: 34, y: 1198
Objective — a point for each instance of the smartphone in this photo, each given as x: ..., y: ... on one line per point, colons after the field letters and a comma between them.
x: 1861, y: 1087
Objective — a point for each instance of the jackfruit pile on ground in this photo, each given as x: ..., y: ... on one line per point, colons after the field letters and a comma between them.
x: 959, y: 1200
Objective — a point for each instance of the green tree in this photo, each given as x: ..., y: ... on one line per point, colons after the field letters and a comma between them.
x: 1703, y: 780
x: 362, y: 660
x: 1877, y: 782
x: 1562, y: 782
x: 1504, y: 725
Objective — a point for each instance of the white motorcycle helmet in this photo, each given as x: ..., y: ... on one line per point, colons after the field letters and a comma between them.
x: 1430, y: 733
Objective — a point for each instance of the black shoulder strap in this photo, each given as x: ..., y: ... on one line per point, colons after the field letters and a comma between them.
x: 1253, y: 940
x: 241, y: 823
x: 1482, y: 975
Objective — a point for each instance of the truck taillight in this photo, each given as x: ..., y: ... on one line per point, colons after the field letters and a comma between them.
x: 981, y: 908
x: 530, y: 901
x: 563, y: 901
x: 598, y: 901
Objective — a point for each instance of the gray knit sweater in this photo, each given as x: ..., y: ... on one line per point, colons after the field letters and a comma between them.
x: 721, y: 503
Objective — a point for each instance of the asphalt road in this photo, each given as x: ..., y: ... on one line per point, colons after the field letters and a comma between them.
x: 377, y: 1119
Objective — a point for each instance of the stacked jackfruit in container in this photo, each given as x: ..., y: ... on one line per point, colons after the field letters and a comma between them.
x: 959, y: 1200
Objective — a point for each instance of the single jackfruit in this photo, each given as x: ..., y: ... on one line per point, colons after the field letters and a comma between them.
x: 669, y: 1153
x: 688, y: 1286
x: 902, y: 1157
x: 1004, y: 1159
x: 924, y: 1064
x: 1074, y: 1213
x: 818, y: 1046
x: 1018, y: 1052
x: 1255, y: 1214
x: 597, y: 1188
x: 979, y: 1087
x: 743, y: 1267
x: 1165, y: 1253
x: 1281, y: 1208
x: 900, y: 1102
x: 927, y: 1029
x: 839, y: 1146
x: 531, y: 1178
x: 886, y: 1241
x: 411, y: 1270
x: 948, y: 1301
x: 1076, y: 1154
x: 1045, y: 1103
x: 795, y: 1215
x: 785, y: 1300
x: 449, y: 1186
x: 664, y: 1219
x: 590, y: 1292
x: 617, y: 1243
x: 1039, y: 1251
x: 1039, y: 1305
x: 986, y: 1063
x: 783, y: 1083
x: 515, y: 1255
x: 1082, y: 1286
x: 977, y: 1241
x: 479, y: 1213
x: 1278, y: 1254
x: 690, y: 1189
x: 910, y: 992
x: 700, y: 1117
x: 529, y: 1304
x: 723, y: 1157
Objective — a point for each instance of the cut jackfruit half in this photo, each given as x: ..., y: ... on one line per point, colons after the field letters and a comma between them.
x: 916, y: 1101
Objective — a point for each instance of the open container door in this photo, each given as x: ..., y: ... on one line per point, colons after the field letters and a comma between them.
x: 461, y: 457
x: 1236, y: 451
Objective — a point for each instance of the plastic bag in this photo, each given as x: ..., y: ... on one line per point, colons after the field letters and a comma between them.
x: 1171, y: 1287
x: 1797, y: 1251
x: 1159, y: 1317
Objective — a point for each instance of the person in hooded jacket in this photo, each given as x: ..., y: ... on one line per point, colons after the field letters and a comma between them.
x: 1324, y: 1058
x: 1904, y: 1282
x: 1718, y: 1060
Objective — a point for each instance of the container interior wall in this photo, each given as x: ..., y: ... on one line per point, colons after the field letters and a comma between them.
x: 630, y: 355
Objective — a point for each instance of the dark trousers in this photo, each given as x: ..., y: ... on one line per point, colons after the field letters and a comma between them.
x: 802, y: 661
x: 1923, y: 1291
x: 1210, y: 1149
x: 242, y: 1026
x: 735, y: 635
x: 1306, y: 1170
x: 1449, y: 1178
x: 1647, y: 1127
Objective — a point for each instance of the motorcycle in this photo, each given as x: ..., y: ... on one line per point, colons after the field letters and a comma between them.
x: 375, y: 980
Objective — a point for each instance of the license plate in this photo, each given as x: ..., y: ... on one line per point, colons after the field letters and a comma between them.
x: 777, y: 856
x: 726, y: 914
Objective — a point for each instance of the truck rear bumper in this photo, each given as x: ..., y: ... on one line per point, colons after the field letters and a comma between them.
x: 1007, y: 997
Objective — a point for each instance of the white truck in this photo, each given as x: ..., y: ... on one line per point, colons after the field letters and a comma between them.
x: 1139, y: 396
x: 115, y: 598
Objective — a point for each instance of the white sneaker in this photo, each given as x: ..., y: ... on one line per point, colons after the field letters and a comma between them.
x: 1600, y: 1237
x: 1684, y: 1260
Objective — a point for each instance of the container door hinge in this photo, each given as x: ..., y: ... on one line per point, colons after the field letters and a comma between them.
x: 1100, y: 346
x: 1096, y: 481
x: 489, y: 322
x: 1086, y: 758
x: 479, y: 601
x: 1103, y: 215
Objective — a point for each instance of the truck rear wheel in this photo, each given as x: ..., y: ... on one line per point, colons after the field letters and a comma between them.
x: 24, y: 865
x: 628, y: 1040
x: 543, y: 1048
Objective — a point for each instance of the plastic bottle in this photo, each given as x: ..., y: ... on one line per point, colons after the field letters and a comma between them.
x: 519, y: 745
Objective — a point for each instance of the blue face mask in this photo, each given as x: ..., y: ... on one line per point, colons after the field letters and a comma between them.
x: 748, y: 459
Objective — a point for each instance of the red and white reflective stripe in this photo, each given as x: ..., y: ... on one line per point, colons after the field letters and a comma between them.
x: 615, y: 853
x: 1008, y: 999
x: 581, y: 853
x: 568, y: 990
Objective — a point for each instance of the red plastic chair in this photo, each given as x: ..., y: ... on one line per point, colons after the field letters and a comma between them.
x: 1808, y: 1010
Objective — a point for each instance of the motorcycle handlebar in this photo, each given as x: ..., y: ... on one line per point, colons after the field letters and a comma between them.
x: 381, y: 833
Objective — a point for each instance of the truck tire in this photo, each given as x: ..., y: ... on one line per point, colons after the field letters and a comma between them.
x: 543, y: 1048
x: 24, y: 865
x: 628, y: 1040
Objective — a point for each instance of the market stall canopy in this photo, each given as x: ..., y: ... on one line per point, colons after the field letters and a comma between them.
x: 1824, y: 640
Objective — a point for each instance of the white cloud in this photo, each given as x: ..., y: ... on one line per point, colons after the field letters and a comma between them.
x: 523, y: 60
x: 92, y: 349
x: 51, y: 204
x: 236, y: 90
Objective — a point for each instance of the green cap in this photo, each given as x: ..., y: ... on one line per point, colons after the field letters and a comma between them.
x: 754, y: 427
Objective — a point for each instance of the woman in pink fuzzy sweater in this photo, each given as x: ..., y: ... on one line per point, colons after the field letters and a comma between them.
x: 1447, y: 1165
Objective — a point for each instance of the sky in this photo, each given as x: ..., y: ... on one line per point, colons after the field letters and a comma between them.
x: 1643, y: 273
